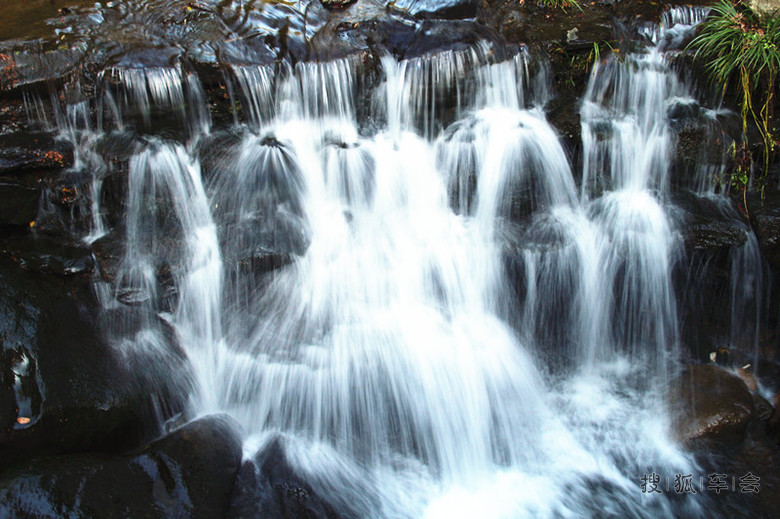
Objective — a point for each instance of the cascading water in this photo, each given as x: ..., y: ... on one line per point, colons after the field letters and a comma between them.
x: 444, y: 324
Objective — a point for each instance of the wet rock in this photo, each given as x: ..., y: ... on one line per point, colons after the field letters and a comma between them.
x: 28, y: 163
x: 708, y: 223
x: 762, y: 409
x: 36, y: 63
x: 720, y: 254
x: 765, y: 219
x: 65, y: 206
x: 266, y: 32
x: 39, y: 253
x: 189, y: 473
x: 370, y: 26
x: 440, y: 9
x: 40, y: 152
x: 747, y: 376
x: 709, y: 404
x: 538, y: 256
x: 257, y: 203
x: 269, y: 487
x: 110, y: 255
x: 19, y: 198
x: 702, y: 139
x: 439, y: 35
x: 8, y: 74
x: 109, y: 251
x: 73, y: 389
x: 335, y: 5
x: 264, y: 244
x: 773, y: 425
x: 534, y: 22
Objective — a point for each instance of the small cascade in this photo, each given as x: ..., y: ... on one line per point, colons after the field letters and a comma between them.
x: 151, y: 92
x: 749, y: 279
x: 150, y: 87
x: 676, y: 27
x: 430, y: 92
x: 626, y: 104
x: 256, y: 85
x: 172, y: 246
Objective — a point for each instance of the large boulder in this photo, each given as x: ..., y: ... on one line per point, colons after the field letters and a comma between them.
x: 709, y: 403
x: 74, y: 378
x: 268, y: 486
x: 189, y: 473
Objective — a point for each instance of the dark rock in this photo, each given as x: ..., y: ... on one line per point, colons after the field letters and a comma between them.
x: 109, y: 251
x: 721, y: 263
x: 65, y: 206
x: 189, y: 473
x: 35, y: 63
x: 39, y: 253
x: 19, y: 197
x: 709, y: 404
x: 269, y: 487
x: 533, y: 22
x: 40, y: 152
x: 258, y: 208
x: 708, y: 223
x: 369, y: 26
x: 543, y: 244
x: 765, y: 219
x: 73, y: 389
x: 335, y: 5
x: 723, y: 356
x: 440, y: 9
x: 773, y: 425
x: 762, y: 409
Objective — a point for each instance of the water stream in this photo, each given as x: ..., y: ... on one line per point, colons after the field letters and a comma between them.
x: 454, y: 327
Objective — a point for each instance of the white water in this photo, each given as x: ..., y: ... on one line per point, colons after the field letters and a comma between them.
x: 382, y: 354
x: 466, y: 332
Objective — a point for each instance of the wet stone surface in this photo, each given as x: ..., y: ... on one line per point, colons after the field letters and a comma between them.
x: 188, y: 473
x: 710, y: 404
x: 66, y: 387
x: 268, y: 486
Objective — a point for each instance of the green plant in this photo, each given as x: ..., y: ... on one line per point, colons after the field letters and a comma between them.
x: 740, y: 171
x: 739, y: 43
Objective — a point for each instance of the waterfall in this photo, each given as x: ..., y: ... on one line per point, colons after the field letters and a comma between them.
x: 382, y: 353
x: 412, y: 294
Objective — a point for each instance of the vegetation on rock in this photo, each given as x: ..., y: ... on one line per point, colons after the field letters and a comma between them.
x: 741, y: 45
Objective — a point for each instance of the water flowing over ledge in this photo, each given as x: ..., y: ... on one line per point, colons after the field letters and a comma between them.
x: 389, y: 273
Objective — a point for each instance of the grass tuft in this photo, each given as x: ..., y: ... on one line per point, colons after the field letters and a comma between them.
x: 739, y: 44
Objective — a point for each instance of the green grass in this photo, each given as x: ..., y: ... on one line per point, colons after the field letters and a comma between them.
x: 743, y: 46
